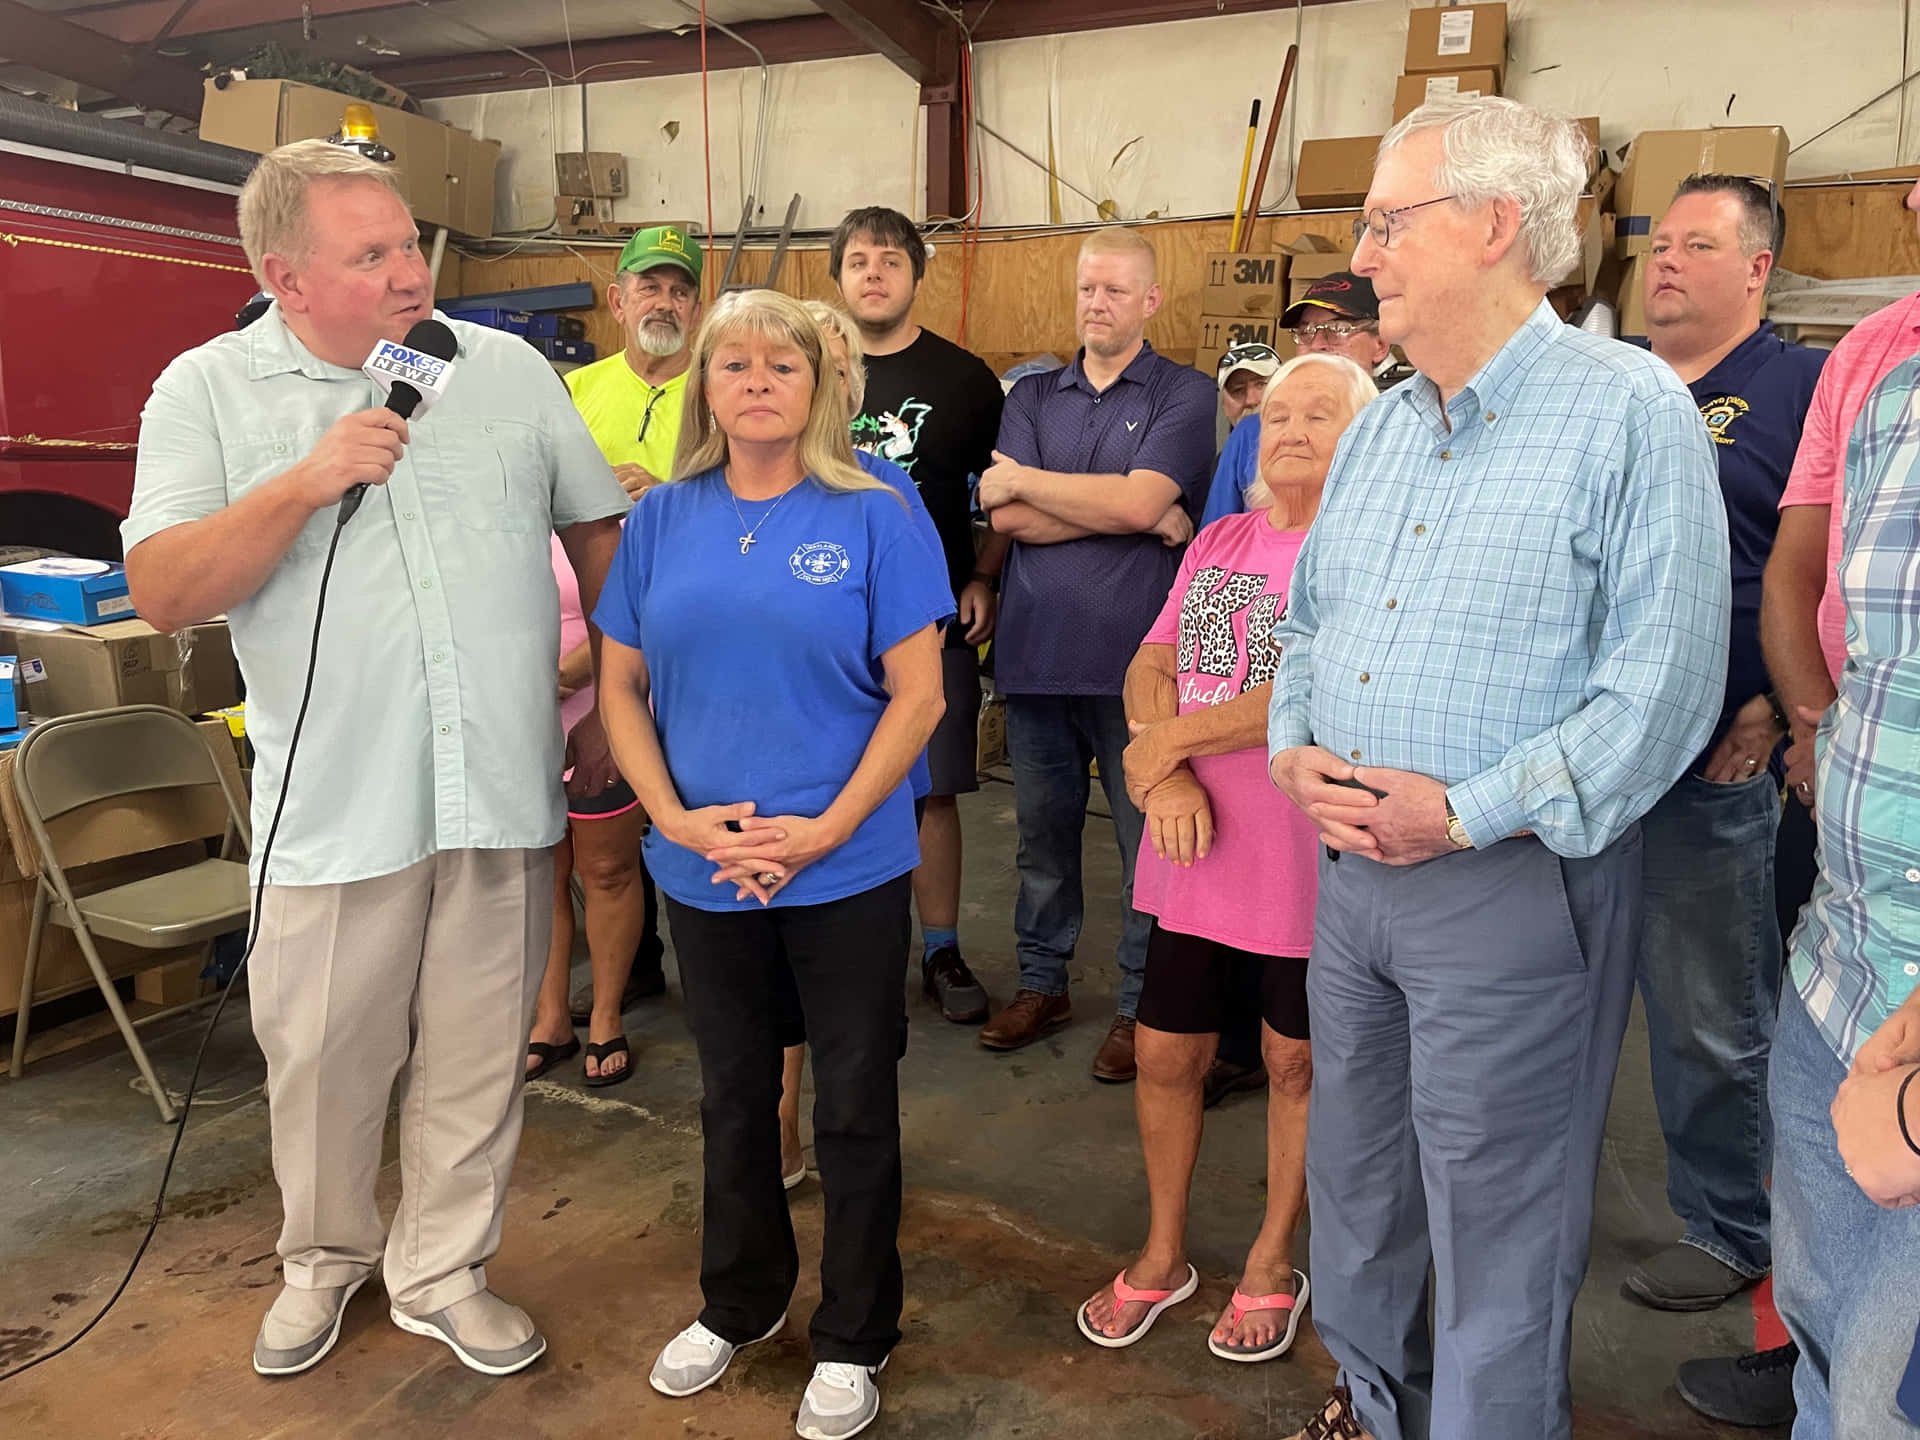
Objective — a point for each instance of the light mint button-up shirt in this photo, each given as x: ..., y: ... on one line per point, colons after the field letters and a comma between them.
x: 434, y: 723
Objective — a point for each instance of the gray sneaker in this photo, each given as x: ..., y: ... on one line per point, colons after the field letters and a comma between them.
x: 1684, y: 1277
x: 697, y: 1357
x: 480, y: 1330
x: 299, y: 1336
x: 841, y: 1400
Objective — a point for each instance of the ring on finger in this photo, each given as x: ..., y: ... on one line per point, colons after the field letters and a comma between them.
x: 767, y: 877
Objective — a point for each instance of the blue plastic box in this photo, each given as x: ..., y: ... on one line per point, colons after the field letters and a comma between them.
x: 552, y: 325
x: 9, y: 692
x: 71, y: 591
x: 555, y: 348
x: 514, y: 322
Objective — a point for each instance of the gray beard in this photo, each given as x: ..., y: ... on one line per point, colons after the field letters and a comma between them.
x: 659, y: 342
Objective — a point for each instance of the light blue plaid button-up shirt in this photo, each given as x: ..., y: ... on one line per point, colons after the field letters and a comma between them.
x: 1856, y: 955
x: 1526, y: 597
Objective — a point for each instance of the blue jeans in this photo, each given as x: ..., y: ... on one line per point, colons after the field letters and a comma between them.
x: 1844, y: 1269
x: 1051, y: 740
x: 1467, y: 1016
x: 1710, y: 964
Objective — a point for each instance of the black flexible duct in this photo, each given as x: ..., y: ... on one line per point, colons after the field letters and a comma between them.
x: 29, y: 122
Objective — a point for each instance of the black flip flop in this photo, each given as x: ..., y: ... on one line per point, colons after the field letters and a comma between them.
x: 550, y: 1055
x: 600, y: 1052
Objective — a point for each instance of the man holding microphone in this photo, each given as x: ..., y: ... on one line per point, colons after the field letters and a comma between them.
x: 406, y: 914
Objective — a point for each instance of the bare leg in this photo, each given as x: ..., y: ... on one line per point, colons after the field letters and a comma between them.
x: 607, y: 852
x: 550, y: 1021
x: 936, y: 884
x: 792, y: 1058
x: 1167, y: 1097
x: 1269, y: 1268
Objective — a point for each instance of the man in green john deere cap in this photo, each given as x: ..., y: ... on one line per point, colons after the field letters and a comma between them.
x: 631, y: 403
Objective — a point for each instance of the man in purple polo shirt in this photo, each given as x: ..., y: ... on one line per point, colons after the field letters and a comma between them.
x: 1100, y: 468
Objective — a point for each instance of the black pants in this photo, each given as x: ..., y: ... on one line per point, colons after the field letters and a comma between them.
x: 848, y: 961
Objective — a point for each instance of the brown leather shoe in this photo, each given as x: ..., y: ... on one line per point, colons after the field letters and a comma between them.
x: 1114, y: 1064
x: 1030, y: 1016
x: 1336, y: 1420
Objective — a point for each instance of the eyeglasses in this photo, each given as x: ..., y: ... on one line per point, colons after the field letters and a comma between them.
x: 1335, y: 330
x: 646, y: 416
x: 1385, y: 225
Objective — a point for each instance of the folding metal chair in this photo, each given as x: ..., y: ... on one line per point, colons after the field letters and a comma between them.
x: 67, y: 773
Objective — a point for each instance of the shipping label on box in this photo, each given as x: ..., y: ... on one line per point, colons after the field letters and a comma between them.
x: 1243, y: 284
x: 72, y: 591
x: 1458, y: 37
x: 1658, y: 160
x: 1334, y: 174
x: 1413, y: 91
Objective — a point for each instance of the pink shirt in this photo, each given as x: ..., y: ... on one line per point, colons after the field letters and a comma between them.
x: 1256, y: 889
x: 573, y: 634
x: 1858, y: 363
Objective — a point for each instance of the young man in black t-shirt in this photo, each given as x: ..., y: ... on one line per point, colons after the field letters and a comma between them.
x: 933, y: 409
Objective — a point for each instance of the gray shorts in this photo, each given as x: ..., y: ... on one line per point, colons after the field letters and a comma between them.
x: 954, y: 751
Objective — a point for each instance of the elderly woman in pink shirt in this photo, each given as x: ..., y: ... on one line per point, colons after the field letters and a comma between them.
x: 1227, y: 870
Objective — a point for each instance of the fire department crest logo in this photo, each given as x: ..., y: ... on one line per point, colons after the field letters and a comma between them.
x: 820, y: 562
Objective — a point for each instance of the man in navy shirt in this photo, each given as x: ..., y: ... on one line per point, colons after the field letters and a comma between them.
x: 1711, y: 956
x: 1101, y: 467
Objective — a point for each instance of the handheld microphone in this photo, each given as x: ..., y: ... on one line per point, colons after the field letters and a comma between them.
x: 414, y: 375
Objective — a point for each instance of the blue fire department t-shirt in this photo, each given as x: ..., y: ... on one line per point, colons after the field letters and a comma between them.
x: 1072, y: 615
x: 1239, y: 464
x: 1755, y: 403
x: 765, y: 667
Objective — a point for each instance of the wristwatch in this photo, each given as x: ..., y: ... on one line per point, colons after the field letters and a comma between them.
x: 1456, y: 832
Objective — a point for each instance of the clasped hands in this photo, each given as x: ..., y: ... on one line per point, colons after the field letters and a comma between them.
x: 1399, y: 818
x: 757, y: 854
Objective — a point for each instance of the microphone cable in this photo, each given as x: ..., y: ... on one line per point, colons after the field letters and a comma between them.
x: 253, y: 935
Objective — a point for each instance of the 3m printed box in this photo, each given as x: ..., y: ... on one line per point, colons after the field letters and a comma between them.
x: 72, y: 592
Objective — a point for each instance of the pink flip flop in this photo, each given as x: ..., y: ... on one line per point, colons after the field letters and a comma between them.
x: 1244, y: 1304
x: 1126, y: 1294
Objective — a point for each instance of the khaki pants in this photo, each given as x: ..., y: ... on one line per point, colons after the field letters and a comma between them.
x: 434, y: 969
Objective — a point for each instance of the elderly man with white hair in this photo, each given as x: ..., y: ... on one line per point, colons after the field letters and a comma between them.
x: 406, y: 914
x: 1506, y: 636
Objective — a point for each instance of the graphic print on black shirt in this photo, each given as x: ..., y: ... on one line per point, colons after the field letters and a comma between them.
x: 933, y: 409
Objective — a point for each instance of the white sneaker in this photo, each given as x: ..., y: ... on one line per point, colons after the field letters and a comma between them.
x: 697, y: 1357
x: 841, y: 1400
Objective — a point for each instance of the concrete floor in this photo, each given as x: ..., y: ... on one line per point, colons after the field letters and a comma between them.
x: 1023, y: 1194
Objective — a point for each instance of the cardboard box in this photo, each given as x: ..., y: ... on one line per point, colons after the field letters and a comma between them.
x: 1335, y: 174
x: 1630, y: 306
x: 124, y: 662
x: 1658, y: 160
x: 57, y: 588
x: 1220, y: 333
x: 591, y: 173
x: 445, y: 174
x: 990, y: 749
x: 173, y: 984
x: 1413, y: 91
x: 472, y: 164
x: 1457, y: 37
x: 1251, y: 284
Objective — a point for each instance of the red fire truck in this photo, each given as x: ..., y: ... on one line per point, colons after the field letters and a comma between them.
x: 118, y: 250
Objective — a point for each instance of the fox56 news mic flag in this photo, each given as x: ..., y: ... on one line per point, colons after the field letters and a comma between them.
x: 413, y: 376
